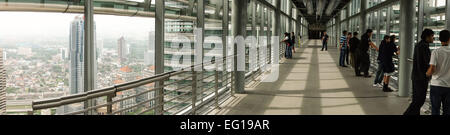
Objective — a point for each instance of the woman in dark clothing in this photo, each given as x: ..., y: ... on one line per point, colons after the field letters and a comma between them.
x: 388, y: 66
x: 421, y: 63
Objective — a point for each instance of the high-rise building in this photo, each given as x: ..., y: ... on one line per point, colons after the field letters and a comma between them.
x: 76, y: 57
x: 122, y: 50
x: 137, y: 51
x: 2, y: 85
x: 64, y: 53
x: 99, y: 49
x: 76, y: 54
x: 149, y: 54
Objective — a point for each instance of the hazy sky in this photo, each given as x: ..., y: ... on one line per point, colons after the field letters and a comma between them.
x: 50, y: 25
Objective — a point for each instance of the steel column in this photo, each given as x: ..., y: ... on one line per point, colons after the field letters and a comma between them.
x: 407, y: 15
x: 378, y: 27
x: 347, y: 15
x: 338, y: 29
x: 89, y: 52
x: 239, y: 24
x: 198, y: 51
x: 362, y: 15
x: 388, y: 20
x: 159, y: 49
x: 447, y: 13
x: 225, y: 22
x: 276, y: 20
x: 420, y: 19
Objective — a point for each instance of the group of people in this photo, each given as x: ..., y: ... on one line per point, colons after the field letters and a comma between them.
x: 431, y: 67
x: 354, y: 51
x: 427, y: 66
x: 289, y: 40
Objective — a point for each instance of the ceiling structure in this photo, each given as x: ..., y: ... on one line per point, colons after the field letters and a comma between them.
x: 319, y: 12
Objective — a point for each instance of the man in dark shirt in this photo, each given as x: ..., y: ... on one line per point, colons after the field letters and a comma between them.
x: 363, y: 52
x: 421, y: 63
x: 380, y: 74
x: 325, y: 41
x: 354, y: 43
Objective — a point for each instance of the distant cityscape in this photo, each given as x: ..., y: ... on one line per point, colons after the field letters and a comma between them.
x: 49, y: 69
x: 52, y: 67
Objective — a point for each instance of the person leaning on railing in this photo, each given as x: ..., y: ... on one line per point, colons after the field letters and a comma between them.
x: 387, y: 61
x: 363, y: 48
x: 380, y: 74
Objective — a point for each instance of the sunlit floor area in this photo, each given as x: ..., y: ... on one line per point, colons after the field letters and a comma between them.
x: 312, y: 83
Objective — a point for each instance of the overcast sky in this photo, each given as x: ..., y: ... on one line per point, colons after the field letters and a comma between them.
x: 50, y: 25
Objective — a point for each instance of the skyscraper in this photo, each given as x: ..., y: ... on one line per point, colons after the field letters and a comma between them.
x: 76, y: 54
x: 76, y: 67
x: 122, y: 50
x: 63, y: 52
x: 149, y: 54
x: 99, y: 49
x: 2, y: 85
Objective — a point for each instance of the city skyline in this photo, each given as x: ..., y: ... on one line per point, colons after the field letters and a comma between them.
x: 54, y: 26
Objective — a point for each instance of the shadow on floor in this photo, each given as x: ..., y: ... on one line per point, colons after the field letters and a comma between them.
x: 312, y: 84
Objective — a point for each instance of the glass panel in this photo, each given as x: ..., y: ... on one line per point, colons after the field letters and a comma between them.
x: 434, y: 19
x: 38, y: 59
x: 178, y: 52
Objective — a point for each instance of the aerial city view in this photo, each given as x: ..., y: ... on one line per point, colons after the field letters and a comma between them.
x: 47, y: 62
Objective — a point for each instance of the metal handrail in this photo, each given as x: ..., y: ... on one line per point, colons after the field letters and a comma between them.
x: 110, y: 92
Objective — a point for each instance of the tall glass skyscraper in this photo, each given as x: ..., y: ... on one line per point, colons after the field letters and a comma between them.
x: 77, y: 57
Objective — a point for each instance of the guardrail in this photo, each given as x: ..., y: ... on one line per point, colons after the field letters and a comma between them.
x: 149, y: 96
x: 181, y: 92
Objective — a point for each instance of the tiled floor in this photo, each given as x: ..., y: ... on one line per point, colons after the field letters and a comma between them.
x: 313, y: 84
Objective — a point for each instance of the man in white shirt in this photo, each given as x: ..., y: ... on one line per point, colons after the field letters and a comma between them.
x: 439, y: 70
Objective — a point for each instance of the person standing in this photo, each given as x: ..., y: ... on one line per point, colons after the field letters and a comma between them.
x: 379, y: 74
x: 354, y: 43
x: 343, y: 48
x: 288, y: 42
x: 388, y: 66
x: 421, y: 63
x: 364, y: 55
x: 293, y: 41
x: 347, y: 52
x: 440, y: 82
x: 325, y: 41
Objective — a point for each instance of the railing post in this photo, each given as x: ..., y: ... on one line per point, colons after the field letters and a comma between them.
x: 216, y: 79
x: 194, y: 90
x: 232, y: 84
x: 109, y: 102
x: 160, y: 94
